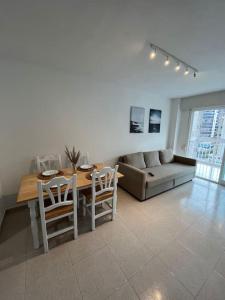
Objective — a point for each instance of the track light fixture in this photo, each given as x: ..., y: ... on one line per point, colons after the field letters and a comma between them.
x: 152, y: 54
x: 167, y: 61
x: 177, y: 68
x: 179, y: 63
x: 186, y: 72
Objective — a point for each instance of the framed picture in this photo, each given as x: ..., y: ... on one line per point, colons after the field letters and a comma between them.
x: 154, y: 120
x: 137, y: 116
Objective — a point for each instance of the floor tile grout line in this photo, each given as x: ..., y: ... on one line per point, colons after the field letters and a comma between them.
x: 143, y: 266
x: 199, y: 257
x: 219, y: 274
x: 75, y: 273
x: 213, y: 270
x: 188, y: 225
x: 176, y: 238
x: 192, y: 252
x: 84, y: 258
x: 118, y: 265
x: 202, y: 286
x: 120, y: 287
x: 105, y: 246
x: 128, y: 278
x: 175, y: 277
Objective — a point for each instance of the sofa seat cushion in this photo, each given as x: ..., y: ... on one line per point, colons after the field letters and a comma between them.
x: 152, y: 159
x: 167, y: 172
x: 136, y: 160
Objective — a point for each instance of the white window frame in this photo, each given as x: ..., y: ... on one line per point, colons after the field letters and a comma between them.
x: 191, y: 117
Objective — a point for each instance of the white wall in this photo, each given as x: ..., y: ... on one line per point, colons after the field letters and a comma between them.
x: 187, y: 105
x: 42, y: 110
x: 205, y: 100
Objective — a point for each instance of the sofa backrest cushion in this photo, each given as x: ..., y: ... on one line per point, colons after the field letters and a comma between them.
x: 152, y: 159
x: 166, y: 156
x: 136, y: 160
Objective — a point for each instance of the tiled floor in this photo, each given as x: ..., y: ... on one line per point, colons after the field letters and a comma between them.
x: 169, y: 247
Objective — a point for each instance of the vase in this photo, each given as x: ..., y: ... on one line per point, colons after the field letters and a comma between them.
x: 74, y: 168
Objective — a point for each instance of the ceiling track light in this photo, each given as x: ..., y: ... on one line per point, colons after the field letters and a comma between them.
x: 177, y: 68
x: 170, y: 57
x: 152, y: 54
x: 186, y: 72
x: 167, y: 61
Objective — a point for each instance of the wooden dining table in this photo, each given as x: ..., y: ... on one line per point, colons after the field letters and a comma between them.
x: 28, y: 193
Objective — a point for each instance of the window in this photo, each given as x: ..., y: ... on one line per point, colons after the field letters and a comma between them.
x: 207, y: 136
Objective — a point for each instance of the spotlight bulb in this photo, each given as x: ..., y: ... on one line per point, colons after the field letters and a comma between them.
x: 167, y: 61
x: 186, y: 71
x: 152, y: 54
x: 177, y: 68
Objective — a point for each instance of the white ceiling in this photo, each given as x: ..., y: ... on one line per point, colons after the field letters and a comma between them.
x: 108, y: 40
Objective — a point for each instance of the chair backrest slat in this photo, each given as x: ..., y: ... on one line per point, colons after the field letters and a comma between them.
x: 105, y: 179
x: 50, y: 194
x: 55, y: 188
x: 66, y: 192
x: 59, y: 194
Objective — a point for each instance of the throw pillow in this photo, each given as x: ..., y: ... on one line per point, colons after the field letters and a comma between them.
x: 136, y: 160
x: 152, y: 159
x: 166, y: 156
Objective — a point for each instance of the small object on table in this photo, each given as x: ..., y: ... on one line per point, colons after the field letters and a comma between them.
x: 86, y: 168
x: 50, y: 173
x: 73, y: 157
x: 89, y: 176
x: 151, y: 174
x: 47, y: 175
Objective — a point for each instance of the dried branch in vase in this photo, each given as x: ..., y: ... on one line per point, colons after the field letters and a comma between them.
x: 73, y: 156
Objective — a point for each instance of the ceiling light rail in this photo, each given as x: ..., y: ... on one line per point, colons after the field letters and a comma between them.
x: 179, y: 62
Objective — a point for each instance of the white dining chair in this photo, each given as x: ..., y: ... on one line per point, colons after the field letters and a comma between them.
x: 104, y: 190
x: 60, y: 206
x: 48, y: 162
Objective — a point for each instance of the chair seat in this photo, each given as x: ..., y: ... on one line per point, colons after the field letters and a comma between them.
x: 88, y: 194
x: 59, y: 211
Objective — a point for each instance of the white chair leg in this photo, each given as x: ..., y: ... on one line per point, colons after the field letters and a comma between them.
x: 44, y: 234
x: 93, y: 217
x: 113, y: 208
x: 75, y: 226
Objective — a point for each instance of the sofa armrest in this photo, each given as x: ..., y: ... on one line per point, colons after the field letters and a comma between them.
x: 185, y: 160
x: 134, y: 180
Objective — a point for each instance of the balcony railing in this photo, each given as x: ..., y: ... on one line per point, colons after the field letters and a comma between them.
x: 207, y: 150
x: 208, y: 172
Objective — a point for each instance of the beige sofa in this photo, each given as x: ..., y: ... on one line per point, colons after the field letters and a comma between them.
x: 147, y: 174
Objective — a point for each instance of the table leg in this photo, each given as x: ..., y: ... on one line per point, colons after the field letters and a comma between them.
x: 34, y: 224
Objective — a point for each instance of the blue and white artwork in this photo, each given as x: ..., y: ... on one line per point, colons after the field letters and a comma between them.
x: 154, y: 121
x: 137, y: 116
